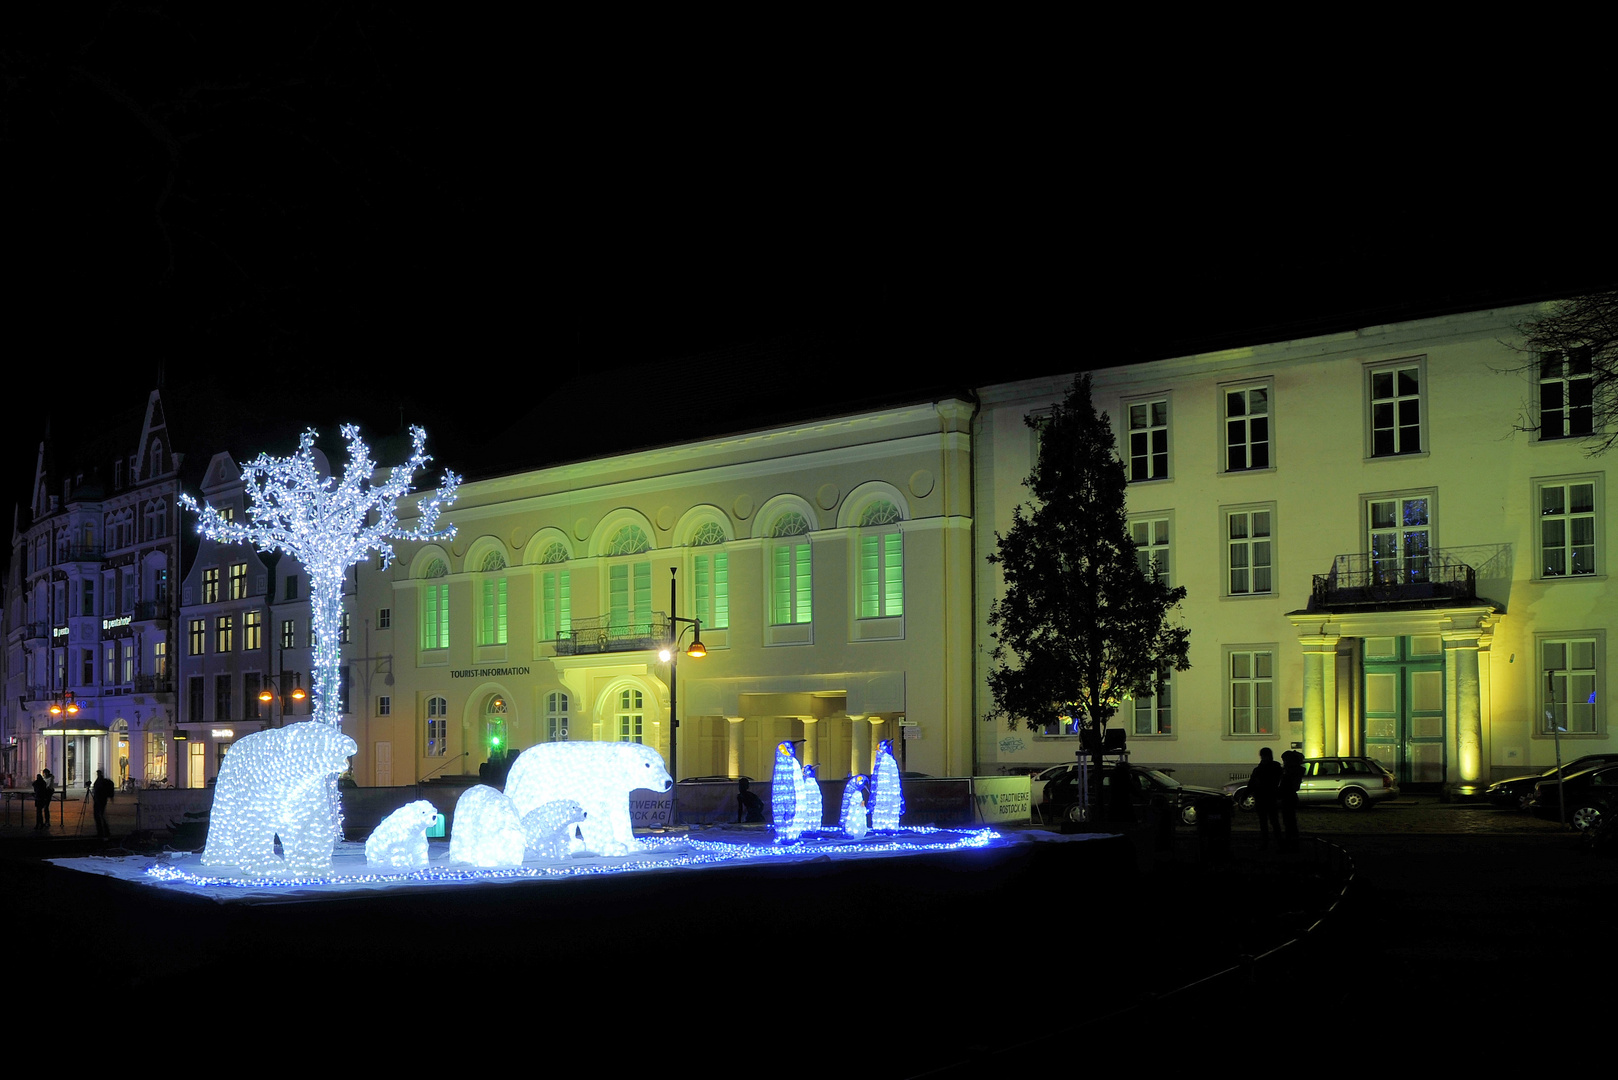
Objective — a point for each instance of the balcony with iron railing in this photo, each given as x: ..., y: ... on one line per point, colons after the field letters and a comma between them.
x: 603, y: 635
x: 154, y: 684
x: 1363, y: 581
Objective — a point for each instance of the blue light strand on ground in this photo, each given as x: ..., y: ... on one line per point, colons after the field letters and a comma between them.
x: 700, y: 853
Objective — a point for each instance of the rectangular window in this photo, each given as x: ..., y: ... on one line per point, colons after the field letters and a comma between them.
x: 492, y: 623
x: 1148, y: 439
x: 1152, y: 710
x: 88, y: 669
x: 342, y: 629
x: 224, y: 633
x: 1247, y: 428
x: 253, y: 630
x: 556, y: 605
x: 89, y: 597
x: 344, y: 681
x: 435, y: 616
x: 1151, y: 536
x: 384, y: 706
x: 384, y: 618
x: 193, y: 694
x: 882, y: 581
x: 1250, y: 551
x: 112, y: 664
x: 1396, y: 409
x: 238, y: 581
x: 1251, y: 691
x: 157, y: 756
x: 1400, y: 537
x: 210, y: 585
x: 629, y: 589
x: 1568, y: 526
x: 289, y: 633
x: 292, y: 587
x: 791, y: 584
x: 197, y: 631
x: 437, y: 727
x: 221, y: 698
x: 160, y: 659
x: 1570, y: 683
x: 129, y: 662
x: 710, y: 577
x: 252, y: 683
x: 1566, y: 394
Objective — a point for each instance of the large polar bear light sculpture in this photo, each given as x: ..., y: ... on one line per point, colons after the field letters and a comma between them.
x: 598, y: 776
x: 275, y: 782
x: 486, y: 830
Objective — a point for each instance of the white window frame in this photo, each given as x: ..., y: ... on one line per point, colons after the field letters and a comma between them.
x: 1254, y: 547
x: 1236, y: 677
x: 1128, y: 418
x: 1586, y: 719
x: 799, y: 561
x: 1395, y: 399
x: 1159, y: 552
x: 630, y: 716
x: 435, y: 713
x: 557, y: 716
x: 1565, y: 384
x: 1399, y: 498
x: 1245, y: 423
x: 1156, y: 708
x: 1597, y: 518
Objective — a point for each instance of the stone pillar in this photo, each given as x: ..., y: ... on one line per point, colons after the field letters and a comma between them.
x: 733, y: 745
x: 1466, y: 709
x: 860, y: 750
x: 811, y: 741
x: 1319, y: 692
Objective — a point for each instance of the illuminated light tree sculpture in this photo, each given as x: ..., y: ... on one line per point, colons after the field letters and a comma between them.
x: 813, y: 808
x: 887, y: 797
x: 852, y: 820
x: 786, y: 796
x: 329, y: 525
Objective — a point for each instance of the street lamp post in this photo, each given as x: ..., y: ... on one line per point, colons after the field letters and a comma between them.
x: 269, y: 697
x: 670, y: 656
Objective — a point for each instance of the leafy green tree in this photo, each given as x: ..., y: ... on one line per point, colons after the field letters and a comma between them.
x: 1081, y: 624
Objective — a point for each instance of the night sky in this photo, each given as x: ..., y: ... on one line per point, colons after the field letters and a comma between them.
x: 543, y: 241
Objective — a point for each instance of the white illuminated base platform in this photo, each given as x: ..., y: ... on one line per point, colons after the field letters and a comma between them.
x: 659, y: 854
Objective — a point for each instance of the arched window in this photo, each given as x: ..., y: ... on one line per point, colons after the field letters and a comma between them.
x: 437, y: 727
x: 435, y: 607
x: 492, y: 616
x: 790, y: 570
x: 555, y: 596
x: 629, y: 585
x: 881, y: 569
x: 631, y: 717
x: 556, y: 726
x: 710, y: 576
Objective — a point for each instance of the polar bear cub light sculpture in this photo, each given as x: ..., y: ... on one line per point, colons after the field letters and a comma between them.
x: 599, y: 777
x: 273, y: 783
x: 401, y: 839
x: 549, y: 828
x: 486, y: 830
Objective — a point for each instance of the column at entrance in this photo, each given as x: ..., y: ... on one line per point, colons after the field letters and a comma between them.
x: 811, y: 741
x: 1319, y: 693
x: 859, y: 755
x: 1466, y: 719
x: 733, y: 746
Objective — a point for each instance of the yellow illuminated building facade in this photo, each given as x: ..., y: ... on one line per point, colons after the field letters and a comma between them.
x: 1378, y: 559
x: 829, y: 565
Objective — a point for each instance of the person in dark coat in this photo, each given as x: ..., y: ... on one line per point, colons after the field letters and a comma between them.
x: 1291, y: 781
x: 101, y: 793
x: 42, y: 803
x: 1265, y: 787
x: 749, y: 807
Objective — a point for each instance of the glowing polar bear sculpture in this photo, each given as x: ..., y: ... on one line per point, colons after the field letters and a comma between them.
x: 401, y: 839
x: 275, y: 783
x: 486, y: 830
x: 549, y: 828
x: 599, y: 777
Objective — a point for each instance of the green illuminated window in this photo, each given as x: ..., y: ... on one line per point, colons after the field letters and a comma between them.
x: 790, y: 571
x: 435, y: 616
x: 629, y: 590
x: 710, y: 578
x: 492, y: 627
x: 556, y: 605
x: 881, y: 570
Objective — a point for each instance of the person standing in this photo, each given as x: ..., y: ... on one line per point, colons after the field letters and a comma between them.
x: 42, y: 803
x: 1265, y: 788
x: 101, y: 793
x: 1291, y: 781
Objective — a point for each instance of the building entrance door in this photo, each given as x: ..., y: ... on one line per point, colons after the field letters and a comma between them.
x: 1404, y: 706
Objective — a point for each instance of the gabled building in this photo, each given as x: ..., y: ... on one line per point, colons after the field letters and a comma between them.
x: 90, y: 611
x: 1378, y: 559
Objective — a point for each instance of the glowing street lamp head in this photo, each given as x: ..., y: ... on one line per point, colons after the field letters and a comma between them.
x: 697, y: 650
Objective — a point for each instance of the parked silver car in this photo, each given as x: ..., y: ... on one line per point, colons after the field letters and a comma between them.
x: 1353, y: 782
